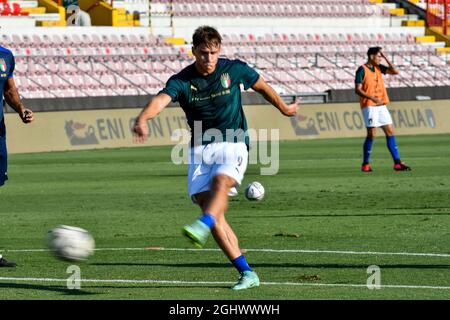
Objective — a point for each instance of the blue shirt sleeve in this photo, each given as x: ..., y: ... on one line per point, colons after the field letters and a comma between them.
x: 11, y: 70
x: 174, y: 87
x: 359, y: 78
x: 248, y: 75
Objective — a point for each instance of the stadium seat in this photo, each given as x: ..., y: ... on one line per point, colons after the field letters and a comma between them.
x: 137, y: 63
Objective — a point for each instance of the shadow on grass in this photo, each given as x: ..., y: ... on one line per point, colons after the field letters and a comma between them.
x: 85, y: 293
x: 277, y: 265
x: 55, y: 288
x: 159, y: 286
x: 345, y: 215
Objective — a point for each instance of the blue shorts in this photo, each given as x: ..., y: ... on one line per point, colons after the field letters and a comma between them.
x: 3, y: 154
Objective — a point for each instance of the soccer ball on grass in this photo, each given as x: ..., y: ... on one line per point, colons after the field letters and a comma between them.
x: 254, y: 191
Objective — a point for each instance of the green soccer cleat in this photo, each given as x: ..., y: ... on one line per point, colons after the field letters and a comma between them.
x: 197, y: 232
x: 247, y: 280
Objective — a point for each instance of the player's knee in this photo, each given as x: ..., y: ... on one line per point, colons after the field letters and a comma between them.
x: 371, y: 133
x: 389, y: 131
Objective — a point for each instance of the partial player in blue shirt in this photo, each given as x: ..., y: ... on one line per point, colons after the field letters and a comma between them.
x: 11, y: 96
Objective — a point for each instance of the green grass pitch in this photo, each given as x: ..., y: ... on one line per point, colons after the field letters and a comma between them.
x: 319, y: 201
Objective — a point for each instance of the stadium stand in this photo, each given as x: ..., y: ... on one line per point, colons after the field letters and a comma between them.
x: 309, y: 8
x: 11, y: 9
x: 420, y: 3
x: 101, y: 61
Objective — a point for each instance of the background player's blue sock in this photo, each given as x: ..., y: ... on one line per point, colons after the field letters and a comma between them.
x: 207, y: 219
x: 393, y: 149
x: 367, y: 149
x: 241, y: 264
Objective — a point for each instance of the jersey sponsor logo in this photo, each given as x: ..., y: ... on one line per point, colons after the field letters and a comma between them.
x: 225, y: 80
x: 212, y: 96
x: 3, y: 65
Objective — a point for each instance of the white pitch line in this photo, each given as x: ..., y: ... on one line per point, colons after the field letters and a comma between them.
x: 356, y: 252
x: 353, y: 158
x: 320, y: 251
x: 341, y: 252
x: 221, y: 282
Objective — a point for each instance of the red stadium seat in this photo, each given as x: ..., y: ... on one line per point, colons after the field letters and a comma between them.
x: 15, y: 11
x: 5, y: 9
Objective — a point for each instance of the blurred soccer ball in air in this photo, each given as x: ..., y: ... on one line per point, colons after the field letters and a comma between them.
x: 70, y: 243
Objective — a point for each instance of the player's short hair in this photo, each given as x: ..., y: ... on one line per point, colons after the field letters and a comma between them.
x: 373, y: 50
x: 206, y: 35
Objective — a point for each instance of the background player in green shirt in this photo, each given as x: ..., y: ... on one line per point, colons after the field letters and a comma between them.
x: 209, y: 93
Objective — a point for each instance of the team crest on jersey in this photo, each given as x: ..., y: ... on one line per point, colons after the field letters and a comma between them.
x: 3, y: 65
x: 225, y: 80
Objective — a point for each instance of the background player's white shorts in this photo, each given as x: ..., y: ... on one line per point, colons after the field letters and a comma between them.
x: 208, y: 161
x: 376, y: 116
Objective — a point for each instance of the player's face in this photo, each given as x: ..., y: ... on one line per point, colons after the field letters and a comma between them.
x: 206, y: 58
x: 376, y: 59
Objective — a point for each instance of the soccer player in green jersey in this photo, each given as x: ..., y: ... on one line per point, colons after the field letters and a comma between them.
x: 209, y: 93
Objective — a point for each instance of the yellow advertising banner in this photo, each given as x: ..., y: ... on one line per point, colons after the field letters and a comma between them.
x: 345, y: 120
x: 92, y: 129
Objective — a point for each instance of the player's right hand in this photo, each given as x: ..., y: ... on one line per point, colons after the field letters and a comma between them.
x: 27, y: 116
x: 140, y: 131
x: 377, y: 101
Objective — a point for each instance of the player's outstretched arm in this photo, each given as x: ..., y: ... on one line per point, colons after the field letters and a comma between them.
x: 271, y: 96
x: 392, y: 69
x: 13, y: 99
x: 153, y: 108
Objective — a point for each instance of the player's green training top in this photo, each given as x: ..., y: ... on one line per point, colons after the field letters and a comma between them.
x: 215, y: 99
x: 359, y: 78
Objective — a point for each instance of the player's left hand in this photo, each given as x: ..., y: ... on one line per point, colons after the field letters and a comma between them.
x: 27, y: 116
x: 140, y: 131
x: 291, y: 109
